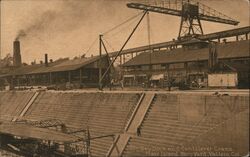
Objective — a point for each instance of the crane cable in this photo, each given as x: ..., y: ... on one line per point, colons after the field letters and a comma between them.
x: 108, y: 44
x: 129, y: 21
x: 112, y: 29
x: 108, y: 36
x: 119, y: 25
x: 92, y: 44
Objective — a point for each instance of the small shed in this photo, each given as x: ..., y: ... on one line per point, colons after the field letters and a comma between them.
x: 229, y: 74
x: 228, y: 79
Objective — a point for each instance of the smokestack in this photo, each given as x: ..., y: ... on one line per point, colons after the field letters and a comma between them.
x: 17, y: 60
x: 46, y: 60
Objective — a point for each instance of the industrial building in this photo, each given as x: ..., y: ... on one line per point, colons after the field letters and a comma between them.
x: 190, y: 61
x: 147, y: 66
x: 186, y: 64
x: 76, y: 73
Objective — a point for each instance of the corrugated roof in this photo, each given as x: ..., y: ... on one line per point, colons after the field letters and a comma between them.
x: 192, y: 41
x: 66, y: 66
x: 28, y: 131
x: 29, y: 68
x: 228, y: 50
x: 57, y: 66
x: 23, y: 70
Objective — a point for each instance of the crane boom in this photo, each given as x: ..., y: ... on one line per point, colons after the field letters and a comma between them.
x: 190, y: 13
x: 218, y: 17
x: 156, y: 9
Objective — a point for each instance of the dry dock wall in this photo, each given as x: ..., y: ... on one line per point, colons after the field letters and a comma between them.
x: 228, y: 117
x: 203, y: 120
x: 230, y: 138
x: 193, y: 125
x: 194, y: 108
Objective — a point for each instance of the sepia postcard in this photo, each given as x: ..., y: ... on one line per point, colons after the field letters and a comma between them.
x: 124, y: 78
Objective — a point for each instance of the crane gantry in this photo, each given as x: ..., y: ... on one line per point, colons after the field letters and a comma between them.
x: 191, y: 14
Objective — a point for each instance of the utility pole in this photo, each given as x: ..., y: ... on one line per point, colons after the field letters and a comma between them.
x: 149, y: 39
x: 149, y: 75
x: 100, y: 62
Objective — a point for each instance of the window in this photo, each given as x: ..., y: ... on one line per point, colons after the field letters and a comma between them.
x: 158, y: 67
x: 145, y: 67
x: 176, y: 66
x: 198, y: 64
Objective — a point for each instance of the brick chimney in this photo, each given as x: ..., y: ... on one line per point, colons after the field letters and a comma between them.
x: 17, y: 60
x: 46, y: 60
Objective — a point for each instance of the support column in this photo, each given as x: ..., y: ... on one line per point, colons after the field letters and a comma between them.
x: 120, y: 59
x: 29, y: 80
x: 50, y: 78
x: 69, y: 77
x: 246, y: 36
x: 12, y: 82
x: 80, y: 76
x: 18, y: 82
x: 100, y: 62
x: 26, y: 80
x: 186, y: 69
x: 123, y: 58
x: 47, y: 79
x: 237, y: 38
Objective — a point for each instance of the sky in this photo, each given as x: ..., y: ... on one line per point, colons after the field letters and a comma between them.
x: 69, y: 28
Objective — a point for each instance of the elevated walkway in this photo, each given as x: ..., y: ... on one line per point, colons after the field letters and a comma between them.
x: 30, y: 102
x: 12, y: 103
x: 131, y: 129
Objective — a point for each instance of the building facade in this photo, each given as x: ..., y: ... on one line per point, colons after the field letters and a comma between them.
x: 189, y: 64
x: 77, y: 73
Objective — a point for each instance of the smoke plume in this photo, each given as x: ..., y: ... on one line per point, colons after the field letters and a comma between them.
x: 67, y: 16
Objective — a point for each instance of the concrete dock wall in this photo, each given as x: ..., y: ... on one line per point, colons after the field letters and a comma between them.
x: 194, y: 108
x: 228, y: 117
x: 181, y: 124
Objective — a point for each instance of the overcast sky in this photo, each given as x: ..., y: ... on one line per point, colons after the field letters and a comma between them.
x: 67, y: 28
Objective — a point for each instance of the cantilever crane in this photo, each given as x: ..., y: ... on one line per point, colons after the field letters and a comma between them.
x: 191, y: 14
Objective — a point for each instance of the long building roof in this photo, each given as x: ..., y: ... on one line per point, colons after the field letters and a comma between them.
x: 66, y: 65
x: 57, y: 66
x: 237, y: 49
x: 205, y: 37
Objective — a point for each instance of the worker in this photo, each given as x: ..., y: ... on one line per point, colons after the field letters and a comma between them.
x: 121, y: 82
x: 138, y: 131
x: 170, y: 83
x: 111, y: 84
